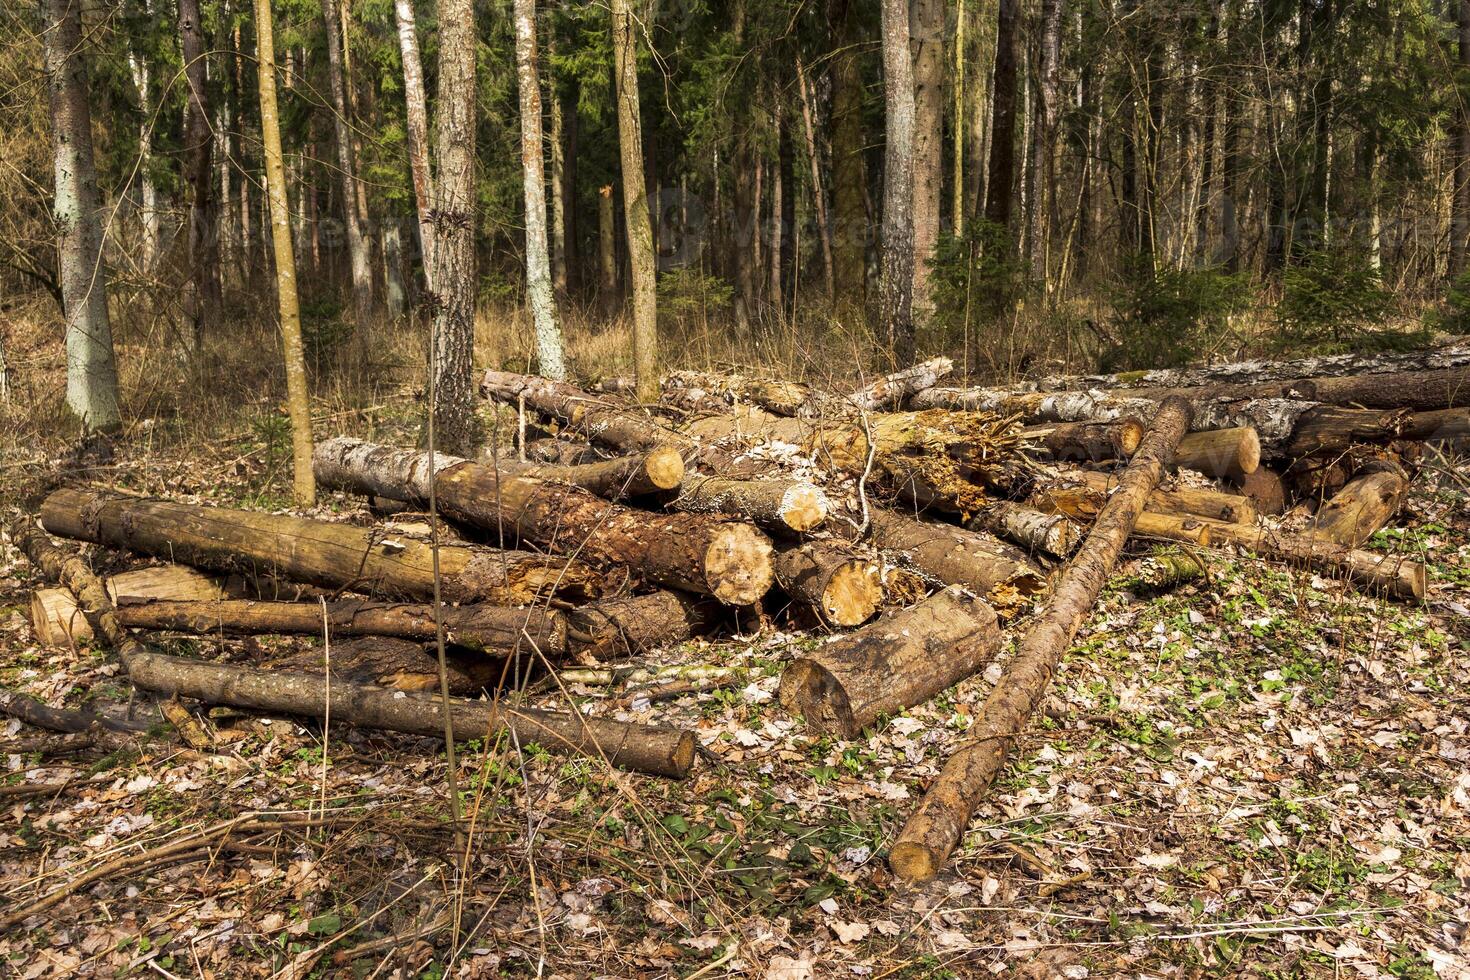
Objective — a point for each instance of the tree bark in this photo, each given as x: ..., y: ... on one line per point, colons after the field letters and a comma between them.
x: 298, y: 399
x: 1392, y: 575
x: 902, y: 660
x: 140, y: 67
x: 1000, y: 185
x: 1048, y: 534
x: 455, y: 278
x: 890, y: 391
x: 91, y: 371
x: 357, y: 244
x: 927, y: 21
x: 843, y: 586
x: 1090, y: 441
x: 1357, y: 511
x: 849, y: 211
x: 726, y: 559
x: 550, y: 349
x: 635, y: 204
x: 418, y: 131
x: 1043, y: 138
x: 954, y: 556
x: 896, y: 281
x: 637, y: 475
x: 607, y: 263
x: 57, y: 621
x: 337, y: 556
x: 560, y: 205
x: 786, y: 506
x: 623, y: 627
x: 1460, y: 222
x: 819, y: 191
x: 934, y: 830
x: 204, y: 303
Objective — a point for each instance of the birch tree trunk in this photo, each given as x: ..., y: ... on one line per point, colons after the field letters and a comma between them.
x: 454, y: 266
x: 91, y: 373
x: 204, y: 302
x: 895, y: 287
x: 418, y: 130
x: 357, y: 245
x: 298, y: 401
x: 549, y: 347
x: 559, y: 208
x: 148, y: 211
x: 928, y: 54
x: 635, y: 205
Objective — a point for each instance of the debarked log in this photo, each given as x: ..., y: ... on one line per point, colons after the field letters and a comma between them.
x: 1356, y: 512
x: 338, y: 556
x: 903, y: 659
x: 1393, y: 575
x: 1179, y: 498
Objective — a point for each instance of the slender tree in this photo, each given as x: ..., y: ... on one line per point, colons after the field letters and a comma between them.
x: 418, y: 128
x: 454, y: 267
x: 819, y: 193
x: 849, y: 181
x: 607, y: 262
x: 298, y: 401
x: 1043, y: 134
x: 927, y: 24
x: 205, y: 300
x: 91, y: 372
x: 896, y: 283
x: 549, y: 346
x: 1460, y: 232
x: 1000, y: 184
x: 635, y: 204
x: 357, y: 245
x: 141, y: 70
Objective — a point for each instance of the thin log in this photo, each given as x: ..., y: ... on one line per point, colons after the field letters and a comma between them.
x: 1427, y: 391
x: 787, y: 506
x: 954, y: 556
x: 319, y: 552
x: 1038, y: 532
x: 1084, y: 504
x: 1088, y: 441
x: 934, y: 830
x: 627, y: 626
x: 901, y: 660
x: 1358, y: 510
x: 889, y: 391
x: 727, y: 559
x: 57, y: 621
x: 653, y: 471
x: 41, y: 715
x: 1448, y: 425
x: 1161, y: 572
x: 844, y: 586
x: 1221, y: 452
x: 1179, y: 499
x: 1392, y: 575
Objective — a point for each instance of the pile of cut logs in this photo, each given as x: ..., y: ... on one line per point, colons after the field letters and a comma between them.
x: 916, y: 521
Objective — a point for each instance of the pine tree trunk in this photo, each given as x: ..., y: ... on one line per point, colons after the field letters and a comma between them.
x: 91, y: 372
x: 1000, y: 185
x: 550, y: 351
x: 635, y: 204
x: 1460, y: 230
x: 454, y: 261
x: 393, y: 287
x: 896, y: 282
x: 298, y: 399
x: 357, y: 246
x: 928, y: 27
x: 819, y: 192
x: 849, y: 211
x: 559, y: 187
x: 204, y: 302
x: 418, y: 130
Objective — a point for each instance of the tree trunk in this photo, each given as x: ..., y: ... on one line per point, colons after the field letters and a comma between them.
x: 57, y: 621
x: 204, y: 302
x: 635, y: 204
x: 896, y: 282
x: 935, y: 829
x: 1179, y: 499
x: 1226, y: 453
x: 957, y: 187
x: 843, y: 586
x: 623, y: 627
x: 550, y: 350
x: 1043, y: 138
x: 849, y: 211
x: 298, y: 399
x: 607, y: 262
x: 902, y: 660
x: 557, y: 140
x: 726, y: 559
x: 785, y: 506
x: 819, y: 192
x: 140, y: 66
x: 91, y: 372
x: 357, y: 245
x: 1460, y: 230
x: 890, y: 391
x: 455, y: 278
x: 927, y: 22
x: 393, y: 286
x: 1358, y: 510
x: 418, y: 131
x: 1091, y: 441
x: 1392, y: 575
x: 954, y: 556
x: 337, y: 556
x: 1000, y: 185
x: 1084, y: 504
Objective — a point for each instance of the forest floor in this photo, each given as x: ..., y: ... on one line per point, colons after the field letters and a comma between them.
x: 1265, y: 774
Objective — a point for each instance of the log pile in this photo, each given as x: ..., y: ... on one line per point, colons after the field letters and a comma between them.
x: 908, y: 526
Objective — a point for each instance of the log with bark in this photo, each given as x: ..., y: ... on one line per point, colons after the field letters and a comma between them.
x: 1392, y: 575
x: 935, y: 829
x: 901, y: 660
x: 1358, y: 510
x: 1088, y: 441
x: 1084, y: 504
x: 840, y: 583
x: 57, y: 621
x: 1177, y: 499
x: 727, y: 559
x: 1038, y: 532
x: 626, y: 626
x: 394, y: 662
x: 786, y: 506
x: 955, y: 556
x: 889, y: 391
x: 656, y: 750
x: 700, y: 391
x: 1421, y: 391
x: 338, y: 556
x: 637, y: 475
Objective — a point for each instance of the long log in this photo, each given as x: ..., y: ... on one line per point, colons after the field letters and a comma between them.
x: 1433, y: 390
x: 889, y: 391
x: 1088, y: 441
x: 842, y: 585
x: 658, y: 750
x: 643, y: 473
x: 727, y: 559
x: 56, y: 619
x: 1390, y: 574
x: 1179, y: 499
x: 626, y: 626
x: 1358, y: 510
x: 337, y: 556
x: 932, y: 833
x: 901, y: 660
x: 1084, y: 504
x: 954, y: 556
x: 786, y: 506
x: 1048, y: 534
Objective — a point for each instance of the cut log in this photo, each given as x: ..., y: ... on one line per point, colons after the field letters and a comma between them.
x: 902, y: 660
x: 657, y: 750
x: 1161, y: 572
x: 718, y: 392
x: 788, y: 506
x: 643, y: 473
x: 622, y: 627
x: 1088, y: 441
x: 954, y: 556
x: 1358, y: 510
x: 727, y: 559
x: 1179, y: 499
x: 889, y: 392
x: 321, y: 553
x: 1392, y: 575
x: 1048, y: 534
x: 934, y: 830
x: 393, y: 662
x: 1084, y: 504
x: 1449, y: 425
x: 1224, y: 453
x: 499, y: 630
x: 1264, y: 489
x: 559, y: 452
x: 57, y: 622
x: 841, y: 584
x: 1425, y: 391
